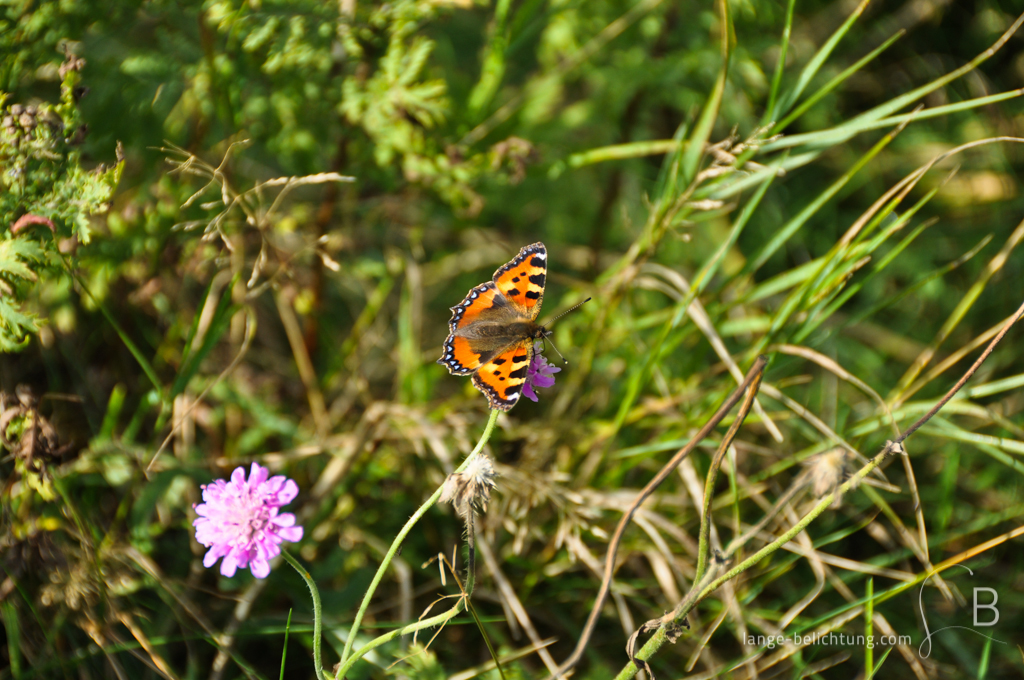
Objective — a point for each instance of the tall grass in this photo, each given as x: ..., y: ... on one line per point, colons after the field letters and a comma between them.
x: 727, y: 182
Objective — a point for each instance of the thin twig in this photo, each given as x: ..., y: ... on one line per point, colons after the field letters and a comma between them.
x: 704, y: 551
x: 250, y: 333
x: 967, y: 376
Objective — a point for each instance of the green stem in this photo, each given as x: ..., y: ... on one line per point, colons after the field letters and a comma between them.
x: 284, y: 649
x: 780, y: 66
x: 432, y: 622
x: 144, y: 364
x: 869, y: 632
x: 440, y: 619
x: 786, y: 537
x: 317, y: 613
x: 346, y: 661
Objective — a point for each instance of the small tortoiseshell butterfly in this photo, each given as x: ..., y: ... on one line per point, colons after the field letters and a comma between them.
x: 493, y: 329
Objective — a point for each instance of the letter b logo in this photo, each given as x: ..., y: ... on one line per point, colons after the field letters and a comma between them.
x: 991, y: 605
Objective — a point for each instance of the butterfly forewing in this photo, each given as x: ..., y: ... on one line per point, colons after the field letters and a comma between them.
x: 458, y: 352
x: 479, y: 300
x: 522, y: 280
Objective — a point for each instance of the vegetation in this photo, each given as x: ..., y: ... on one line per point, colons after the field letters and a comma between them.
x: 231, y: 233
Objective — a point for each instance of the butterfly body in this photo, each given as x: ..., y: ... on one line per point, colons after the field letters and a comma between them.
x: 492, y: 331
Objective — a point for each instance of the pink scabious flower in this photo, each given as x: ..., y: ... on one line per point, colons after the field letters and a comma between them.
x: 539, y: 374
x: 239, y: 520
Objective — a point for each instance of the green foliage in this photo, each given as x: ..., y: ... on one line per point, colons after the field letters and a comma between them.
x: 42, y: 173
x: 16, y: 256
x: 393, y: 103
x: 43, y: 183
x: 418, y: 663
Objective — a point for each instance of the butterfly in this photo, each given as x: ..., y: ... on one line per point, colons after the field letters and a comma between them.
x: 491, y: 332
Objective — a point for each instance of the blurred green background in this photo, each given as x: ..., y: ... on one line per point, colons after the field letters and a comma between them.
x: 207, y: 314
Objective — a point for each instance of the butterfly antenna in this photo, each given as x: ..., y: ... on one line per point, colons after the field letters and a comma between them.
x: 547, y: 339
x: 571, y: 309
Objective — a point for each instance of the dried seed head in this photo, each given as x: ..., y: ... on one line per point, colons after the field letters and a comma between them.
x: 826, y: 472
x: 893, y: 448
x: 76, y: 588
x: 470, y: 488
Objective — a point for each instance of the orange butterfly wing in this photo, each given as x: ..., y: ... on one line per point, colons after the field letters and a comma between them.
x: 514, y: 295
x: 501, y: 379
x: 458, y: 353
x: 522, y: 280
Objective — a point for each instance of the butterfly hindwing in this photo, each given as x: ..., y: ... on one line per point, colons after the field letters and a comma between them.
x: 501, y: 379
x: 522, y: 280
x: 459, y: 356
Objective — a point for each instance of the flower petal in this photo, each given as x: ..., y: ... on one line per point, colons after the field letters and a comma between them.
x: 292, y: 534
x: 229, y: 566
x: 528, y: 391
x: 543, y: 380
x: 257, y: 475
x: 211, y: 557
x: 288, y: 492
x: 285, y: 519
x: 260, y: 568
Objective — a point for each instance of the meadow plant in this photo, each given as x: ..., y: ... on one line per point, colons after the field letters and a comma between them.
x: 796, y: 226
x: 240, y: 520
x: 540, y: 374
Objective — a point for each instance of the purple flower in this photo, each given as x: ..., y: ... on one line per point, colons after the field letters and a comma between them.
x: 239, y: 520
x: 539, y: 374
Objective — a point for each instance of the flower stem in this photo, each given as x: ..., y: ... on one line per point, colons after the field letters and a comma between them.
x: 401, y: 537
x: 423, y: 624
x: 317, y: 612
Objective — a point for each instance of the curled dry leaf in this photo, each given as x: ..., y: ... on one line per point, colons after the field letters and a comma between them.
x: 29, y: 219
